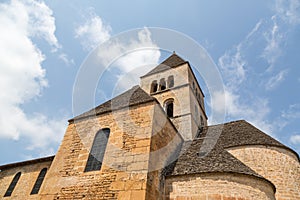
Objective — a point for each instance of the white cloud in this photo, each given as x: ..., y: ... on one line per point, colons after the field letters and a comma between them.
x: 233, y: 68
x: 237, y: 107
x: 93, y: 32
x: 288, y: 10
x: 295, y: 139
x: 274, y: 38
x: 22, y: 77
x: 64, y: 57
x: 275, y: 80
x: 293, y: 112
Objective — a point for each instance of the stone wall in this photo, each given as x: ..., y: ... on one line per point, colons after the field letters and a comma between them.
x: 29, y: 174
x: 165, y: 144
x: 217, y: 186
x: 278, y: 165
x: 124, y: 173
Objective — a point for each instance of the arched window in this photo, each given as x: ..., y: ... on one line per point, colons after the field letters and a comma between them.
x: 12, y: 185
x: 98, y: 149
x: 154, y: 86
x: 169, y: 107
x: 170, y: 81
x: 39, y: 181
x: 162, y: 84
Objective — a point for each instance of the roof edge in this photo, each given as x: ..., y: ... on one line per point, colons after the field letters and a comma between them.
x: 268, y: 145
x: 111, y: 110
x: 27, y: 162
x: 229, y: 173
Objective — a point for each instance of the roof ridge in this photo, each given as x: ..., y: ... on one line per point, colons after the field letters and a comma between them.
x: 172, y: 61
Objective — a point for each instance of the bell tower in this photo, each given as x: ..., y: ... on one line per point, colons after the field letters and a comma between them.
x: 176, y: 88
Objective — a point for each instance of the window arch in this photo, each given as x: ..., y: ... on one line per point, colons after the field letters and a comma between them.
x: 97, y: 151
x: 170, y: 81
x: 39, y: 181
x: 154, y: 86
x: 169, y: 107
x: 12, y: 185
x: 162, y: 84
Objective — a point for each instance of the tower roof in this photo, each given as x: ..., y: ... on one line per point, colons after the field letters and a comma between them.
x: 131, y: 97
x: 173, y: 61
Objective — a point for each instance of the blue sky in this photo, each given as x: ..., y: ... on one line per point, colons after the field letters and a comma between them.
x: 43, y: 45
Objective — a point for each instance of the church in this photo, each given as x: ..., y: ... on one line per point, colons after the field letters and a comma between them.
x: 153, y: 142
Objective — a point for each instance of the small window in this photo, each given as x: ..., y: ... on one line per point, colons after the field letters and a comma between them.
x: 170, y: 81
x: 202, y: 121
x: 39, y: 181
x: 154, y: 86
x: 162, y: 84
x: 196, y: 111
x: 193, y: 86
x: 98, y: 149
x: 169, y: 108
x: 12, y: 185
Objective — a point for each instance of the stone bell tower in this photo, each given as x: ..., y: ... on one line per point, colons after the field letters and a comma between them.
x: 176, y: 88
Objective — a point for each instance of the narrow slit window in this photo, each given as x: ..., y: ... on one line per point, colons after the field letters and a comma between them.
x: 12, y: 185
x: 39, y: 181
x: 162, y: 84
x: 202, y: 121
x: 98, y: 149
x: 170, y: 81
x: 169, y: 108
x: 154, y: 86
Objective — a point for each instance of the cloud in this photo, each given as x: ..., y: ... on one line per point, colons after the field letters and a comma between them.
x: 295, y: 139
x: 264, y: 43
x: 128, y: 56
x: 93, y: 32
x: 293, y: 112
x: 64, y: 57
x: 22, y: 77
x: 233, y: 67
x: 274, y: 38
x: 288, y: 11
x: 132, y: 59
x: 237, y: 107
x: 275, y: 80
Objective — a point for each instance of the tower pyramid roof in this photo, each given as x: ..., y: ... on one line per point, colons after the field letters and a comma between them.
x: 173, y: 61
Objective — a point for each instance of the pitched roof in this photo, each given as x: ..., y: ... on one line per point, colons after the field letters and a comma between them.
x: 27, y: 162
x: 173, y: 61
x: 220, y: 137
x: 133, y: 96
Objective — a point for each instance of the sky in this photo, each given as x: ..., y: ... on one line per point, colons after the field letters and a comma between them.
x: 45, y: 46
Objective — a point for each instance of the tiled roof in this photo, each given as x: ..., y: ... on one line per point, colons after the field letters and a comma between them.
x: 133, y: 96
x: 173, y: 61
x: 232, y: 134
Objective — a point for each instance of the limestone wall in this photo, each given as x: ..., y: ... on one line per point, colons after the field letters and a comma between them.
x: 29, y: 174
x: 217, y: 186
x: 278, y: 165
x: 165, y: 144
x: 124, y: 173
